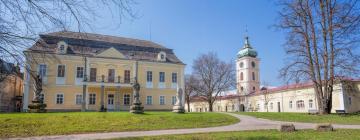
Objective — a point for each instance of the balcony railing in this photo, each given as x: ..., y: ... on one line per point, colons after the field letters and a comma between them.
x: 107, y: 79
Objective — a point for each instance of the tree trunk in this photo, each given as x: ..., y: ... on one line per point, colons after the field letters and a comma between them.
x: 188, y: 104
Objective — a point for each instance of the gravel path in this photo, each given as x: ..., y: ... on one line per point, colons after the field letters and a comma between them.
x: 246, y: 123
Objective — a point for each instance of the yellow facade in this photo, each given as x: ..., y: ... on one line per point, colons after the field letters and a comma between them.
x: 71, y: 86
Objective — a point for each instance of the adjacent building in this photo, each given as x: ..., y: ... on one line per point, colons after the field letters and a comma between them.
x: 250, y: 96
x: 11, y: 87
x: 100, y: 71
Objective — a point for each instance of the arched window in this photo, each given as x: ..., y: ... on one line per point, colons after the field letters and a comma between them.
x: 310, y: 103
x: 241, y: 76
x: 242, y: 88
x: 290, y: 104
x: 300, y: 104
x: 253, y: 64
x: 254, y: 88
x: 253, y: 76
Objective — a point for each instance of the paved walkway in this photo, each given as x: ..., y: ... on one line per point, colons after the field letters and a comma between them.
x: 246, y: 123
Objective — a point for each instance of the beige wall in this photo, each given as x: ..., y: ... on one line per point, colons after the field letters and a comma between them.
x: 70, y: 88
x: 340, y: 101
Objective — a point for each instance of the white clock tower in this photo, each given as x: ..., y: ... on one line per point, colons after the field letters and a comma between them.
x: 247, y: 69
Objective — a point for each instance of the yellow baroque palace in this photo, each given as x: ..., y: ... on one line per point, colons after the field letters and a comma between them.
x: 102, y: 68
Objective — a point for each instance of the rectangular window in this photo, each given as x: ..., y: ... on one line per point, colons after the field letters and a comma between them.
x: 79, y: 72
x: 93, y: 74
x: 149, y: 76
x: 61, y: 71
x: 174, y: 77
x: 173, y: 100
x: 126, y: 99
x: 290, y: 104
x: 162, y: 100
x: 111, y: 75
x: 127, y: 76
x: 42, y: 70
x: 149, y: 100
x: 162, y: 76
x: 78, y: 99
x: 310, y: 103
x: 59, y: 98
x: 92, y: 99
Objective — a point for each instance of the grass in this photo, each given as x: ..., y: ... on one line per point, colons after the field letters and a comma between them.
x: 303, y: 117
x: 30, y: 124
x: 262, y: 135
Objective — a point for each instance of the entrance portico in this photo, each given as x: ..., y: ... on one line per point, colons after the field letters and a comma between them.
x: 109, y: 95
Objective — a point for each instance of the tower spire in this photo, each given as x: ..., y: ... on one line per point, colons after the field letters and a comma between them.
x: 247, y: 42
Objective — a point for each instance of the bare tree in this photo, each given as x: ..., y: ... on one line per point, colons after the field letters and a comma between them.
x: 22, y: 20
x: 265, y: 92
x: 190, y: 84
x: 322, y: 38
x: 214, y: 76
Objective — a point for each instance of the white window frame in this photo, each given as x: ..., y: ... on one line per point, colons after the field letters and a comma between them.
x: 162, y: 83
x: 63, y: 98
x: 79, y: 81
x: 173, y: 100
x: 90, y: 100
x: 43, y: 77
x: 300, y: 104
x: 290, y: 104
x: 174, y: 85
x: 147, y: 101
x: 163, y: 99
x: 76, y: 98
x: 149, y: 83
x: 124, y: 99
x: 60, y: 80
x: 311, y: 103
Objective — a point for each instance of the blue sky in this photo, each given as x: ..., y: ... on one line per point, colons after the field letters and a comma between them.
x: 194, y: 27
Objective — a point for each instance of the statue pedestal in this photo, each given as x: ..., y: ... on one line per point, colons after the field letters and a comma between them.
x: 136, y: 108
x: 37, y: 107
x: 178, y: 109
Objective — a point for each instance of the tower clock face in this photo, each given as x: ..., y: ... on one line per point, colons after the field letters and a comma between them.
x: 253, y: 64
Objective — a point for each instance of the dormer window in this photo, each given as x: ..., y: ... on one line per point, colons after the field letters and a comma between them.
x: 62, y: 47
x: 161, y: 56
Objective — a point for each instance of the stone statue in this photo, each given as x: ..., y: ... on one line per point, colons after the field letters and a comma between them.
x: 37, y: 106
x: 178, y: 107
x: 37, y: 88
x: 136, y: 107
x: 179, y: 97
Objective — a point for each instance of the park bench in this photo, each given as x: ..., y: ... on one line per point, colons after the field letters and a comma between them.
x: 313, y: 111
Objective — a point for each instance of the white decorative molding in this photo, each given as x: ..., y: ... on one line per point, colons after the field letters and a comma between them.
x: 149, y: 84
x: 161, y: 85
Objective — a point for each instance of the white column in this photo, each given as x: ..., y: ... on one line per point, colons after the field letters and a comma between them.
x: 341, y: 98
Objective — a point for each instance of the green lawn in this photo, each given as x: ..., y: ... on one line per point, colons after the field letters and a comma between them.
x: 340, y: 134
x: 304, y: 117
x: 28, y: 124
